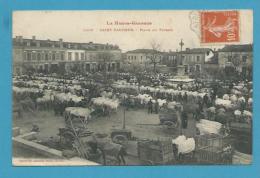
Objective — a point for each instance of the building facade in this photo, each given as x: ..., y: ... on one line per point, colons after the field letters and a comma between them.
x: 194, y: 59
x: 143, y: 57
x: 170, y: 59
x: 47, y: 56
x: 238, y: 56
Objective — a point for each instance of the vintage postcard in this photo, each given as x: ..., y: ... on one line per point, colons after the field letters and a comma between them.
x: 132, y: 87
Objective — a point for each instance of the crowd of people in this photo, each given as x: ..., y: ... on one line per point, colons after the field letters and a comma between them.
x: 214, y: 101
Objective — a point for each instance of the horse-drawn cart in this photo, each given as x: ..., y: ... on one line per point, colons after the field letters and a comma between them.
x: 169, y: 119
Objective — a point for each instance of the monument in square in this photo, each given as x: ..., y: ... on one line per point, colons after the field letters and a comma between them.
x: 181, y: 76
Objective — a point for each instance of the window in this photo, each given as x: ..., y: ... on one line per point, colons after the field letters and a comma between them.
x: 197, y: 68
x: 76, y: 56
x: 198, y: 58
x: 69, y: 56
x: 24, y: 55
x: 62, y: 56
x: 82, y: 56
x: 49, y: 56
x: 33, y: 56
x: 244, y: 58
x: 46, y: 56
x: 57, y: 57
x: 38, y: 56
x: 53, y: 56
x: 42, y: 56
x: 29, y: 56
x: 135, y: 57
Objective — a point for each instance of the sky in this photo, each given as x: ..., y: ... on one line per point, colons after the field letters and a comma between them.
x: 167, y: 28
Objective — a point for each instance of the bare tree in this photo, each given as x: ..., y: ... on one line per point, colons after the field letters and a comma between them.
x: 104, y: 59
x: 155, y: 55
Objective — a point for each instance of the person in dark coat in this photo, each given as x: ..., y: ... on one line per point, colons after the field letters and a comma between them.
x: 55, y: 107
x: 71, y: 103
x: 196, y: 114
x: 150, y: 107
x: 156, y: 107
x: 205, y: 100
x: 180, y: 97
x: 185, y: 97
x: 184, y: 119
x: 200, y: 106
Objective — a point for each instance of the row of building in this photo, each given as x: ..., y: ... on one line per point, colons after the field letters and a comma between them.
x: 50, y: 56
x: 53, y: 56
x: 196, y: 59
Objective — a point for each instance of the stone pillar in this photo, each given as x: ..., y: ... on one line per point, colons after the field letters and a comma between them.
x: 181, y: 70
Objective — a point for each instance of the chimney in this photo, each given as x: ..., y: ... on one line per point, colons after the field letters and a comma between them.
x: 33, y: 38
x: 20, y: 39
x: 16, y: 38
x: 61, y: 42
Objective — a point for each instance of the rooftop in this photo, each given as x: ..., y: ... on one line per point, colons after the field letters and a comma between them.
x: 20, y: 41
x: 196, y: 50
x: 237, y: 48
x: 146, y: 51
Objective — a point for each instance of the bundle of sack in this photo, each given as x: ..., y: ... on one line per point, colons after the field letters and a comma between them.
x: 208, y: 127
x: 184, y: 145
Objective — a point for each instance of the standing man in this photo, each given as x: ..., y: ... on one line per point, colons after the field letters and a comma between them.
x: 185, y: 97
x: 184, y: 119
x: 205, y: 100
x: 150, y: 107
x: 156, y: 107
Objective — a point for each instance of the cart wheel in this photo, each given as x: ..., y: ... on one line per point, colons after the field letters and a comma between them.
x: 69, y: 136
x: 120, y: 139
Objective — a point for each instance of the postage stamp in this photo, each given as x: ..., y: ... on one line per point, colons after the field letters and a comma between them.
x: 219, y: 26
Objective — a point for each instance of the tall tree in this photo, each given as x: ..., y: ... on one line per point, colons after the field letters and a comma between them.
x: 155, y: 55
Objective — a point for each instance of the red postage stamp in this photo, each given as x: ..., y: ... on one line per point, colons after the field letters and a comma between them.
x: 219, y: 26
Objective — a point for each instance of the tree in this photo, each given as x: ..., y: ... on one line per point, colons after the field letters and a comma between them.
x: 155, y: 55
x: 104, y: 58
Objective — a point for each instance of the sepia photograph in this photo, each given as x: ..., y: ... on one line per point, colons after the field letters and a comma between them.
x: 132, y: 87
